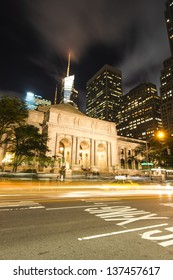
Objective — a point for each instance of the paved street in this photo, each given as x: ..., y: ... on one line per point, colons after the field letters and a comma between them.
x: 86, y: 224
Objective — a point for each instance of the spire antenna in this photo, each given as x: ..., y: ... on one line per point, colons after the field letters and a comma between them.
x: 68, y: 67
x: 55, y: 97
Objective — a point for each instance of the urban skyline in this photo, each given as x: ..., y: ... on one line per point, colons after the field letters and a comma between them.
x: 34, y: 51
x: 103, y: 94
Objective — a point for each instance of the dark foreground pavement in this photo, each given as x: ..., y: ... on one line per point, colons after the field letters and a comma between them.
x: 89, y: 226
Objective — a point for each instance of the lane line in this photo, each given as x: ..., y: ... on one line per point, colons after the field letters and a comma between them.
x: 9, y: 205
x: 22, y: 208
x: 72, y: 207
x: 167, y: 204
x: 119, y: 232
x: 76, y: 207
x: 35, y: 207
x: 18, y: 203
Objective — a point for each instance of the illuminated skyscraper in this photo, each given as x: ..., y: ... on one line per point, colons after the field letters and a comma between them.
x: 69, y: 94
x: 104, y: 91
x: 140, y: 112
x: 33, y: 101
x: 166, y: 93
x: 166, y: 79
x: 169, y: 22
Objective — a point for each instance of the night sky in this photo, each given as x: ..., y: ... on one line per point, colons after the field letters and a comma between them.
x: 36, y: 36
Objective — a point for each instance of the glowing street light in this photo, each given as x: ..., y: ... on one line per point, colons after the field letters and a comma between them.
x: 61, y: 150
x: 161, y: 135
x: 63, y: 168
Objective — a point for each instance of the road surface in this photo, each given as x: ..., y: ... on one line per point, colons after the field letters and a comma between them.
x: 81, y: 223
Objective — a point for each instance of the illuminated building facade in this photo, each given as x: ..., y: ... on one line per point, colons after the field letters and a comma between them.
x: 104, y: 91
x: 140, y: 112
x: 69, y: 93
x: 33, y: 101
x: 83, y: 143
x: 166, y: 79
x: 169, y: 22
x: 166, y: 93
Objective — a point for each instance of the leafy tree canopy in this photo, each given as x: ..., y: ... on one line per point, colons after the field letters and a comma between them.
x: 159, y: 151
x: 13, y: 111
x: 27, y: 142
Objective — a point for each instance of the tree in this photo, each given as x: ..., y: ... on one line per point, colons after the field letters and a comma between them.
x: 13, y: 111
x: 27, y: 144
x: 158, y: 150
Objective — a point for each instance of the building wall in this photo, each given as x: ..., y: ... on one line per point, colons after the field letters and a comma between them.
x: 36, y: 118
x: 166, y: 93
x: 86, y: 143
x: 103, y: 95
x: 140, y: 112
x: 129, y: 162
x: 169, y: 22
x: 80, y: 142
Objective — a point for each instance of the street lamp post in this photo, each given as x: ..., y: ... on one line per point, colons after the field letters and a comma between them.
x: 62, y: 158
x: 147, y: 152
x: 148, y: 163
x: 147, y: 158
x: 62, y: 171
x: 160, y: 136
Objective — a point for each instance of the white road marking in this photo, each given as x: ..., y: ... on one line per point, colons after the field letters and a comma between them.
x: 23, y: 208
x: 149, y: 236
x: 75, y: 207
x: 3, y: 210
x: 19, y: 205
x: 35, y: 207
x: 167, y: 204
x: 9, y: 205
x: 125, y: 214
x: 7, y: 195
x: 119, y: 232
x: 72, y: 207
x: 166, y: 243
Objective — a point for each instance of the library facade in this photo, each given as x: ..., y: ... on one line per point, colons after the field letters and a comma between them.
x: 79, y: 142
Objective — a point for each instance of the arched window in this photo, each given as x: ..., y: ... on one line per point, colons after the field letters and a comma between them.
x: 136, y: 164
x: 122, y: 163
x: 129, y: 164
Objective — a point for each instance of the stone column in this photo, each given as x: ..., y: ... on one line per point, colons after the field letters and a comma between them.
x: 77, y: 151
x: 56, y: 145
x: 73, y: 150
x: 115, y: 154
x: 125, y: 158
x: 133, y: 160
x: 108, y: 154
x: 92, y: 153
x: 95, y: 152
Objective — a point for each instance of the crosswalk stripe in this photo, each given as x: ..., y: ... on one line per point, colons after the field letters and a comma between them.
x: 19, y: 205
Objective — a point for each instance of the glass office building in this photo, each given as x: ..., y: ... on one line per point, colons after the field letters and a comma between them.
x: 140, y: 112
x: 104, y: 91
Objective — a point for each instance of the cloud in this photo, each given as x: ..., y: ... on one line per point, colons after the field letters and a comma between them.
x: 144, y: 62
x: 37, y: 35
x: 78, y: 24
x: 136, y: 26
